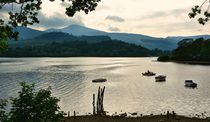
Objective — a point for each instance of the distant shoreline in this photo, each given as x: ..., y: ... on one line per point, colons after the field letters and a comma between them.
x: 83, y: 57
x: 194, y: 62
x: 151, y: 118
x: 189, y: 62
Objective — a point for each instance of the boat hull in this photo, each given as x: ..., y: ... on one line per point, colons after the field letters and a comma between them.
x: 147, y: 74
x: 160, y: 78
x: 101, y: 80
x: 190, y: 83
x: 194, y: 85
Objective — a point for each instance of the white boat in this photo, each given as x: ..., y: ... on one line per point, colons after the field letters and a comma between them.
x: 160, y: 78
x: 190, y: 83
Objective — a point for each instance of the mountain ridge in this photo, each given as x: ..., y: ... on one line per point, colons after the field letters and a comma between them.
x: 149, y: 42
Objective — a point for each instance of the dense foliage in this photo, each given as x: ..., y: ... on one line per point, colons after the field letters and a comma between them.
x: 59, y: 44
x: 190, y: 50
x: 31, y: 106
x: 81, y: 48
x: 3, y: 114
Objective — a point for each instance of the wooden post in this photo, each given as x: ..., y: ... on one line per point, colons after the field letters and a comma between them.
x: 74, y: 113
x: 94, y: 108
x: 168, y: 114
x: 100, y: 98
x: 98, y: 101
x: 173, y: 114
x: 68, y: 113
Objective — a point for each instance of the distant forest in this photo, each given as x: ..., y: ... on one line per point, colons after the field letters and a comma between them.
x: 189, y: 50
x: 58, y: 44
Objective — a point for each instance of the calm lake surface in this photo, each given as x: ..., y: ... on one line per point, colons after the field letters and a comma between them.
x: 126, y: 90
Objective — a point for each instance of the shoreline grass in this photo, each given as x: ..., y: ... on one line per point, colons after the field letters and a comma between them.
x: 151, y: 118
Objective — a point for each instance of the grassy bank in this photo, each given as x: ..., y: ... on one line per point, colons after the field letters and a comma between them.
x: 155, y: 118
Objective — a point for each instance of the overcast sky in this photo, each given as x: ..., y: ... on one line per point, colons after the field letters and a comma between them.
x: 158, y: 18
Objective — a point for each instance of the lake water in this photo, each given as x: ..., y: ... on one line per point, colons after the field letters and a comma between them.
x: 126, y: 90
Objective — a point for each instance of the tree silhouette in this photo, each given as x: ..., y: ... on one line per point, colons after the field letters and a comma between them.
x: 190, y: 50
x: 202, y: 10
x: 31, y: 106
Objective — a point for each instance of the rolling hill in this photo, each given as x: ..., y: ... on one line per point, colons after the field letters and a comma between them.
x: 149, y: 42
x: 52, y: 45
x: 28, y: 33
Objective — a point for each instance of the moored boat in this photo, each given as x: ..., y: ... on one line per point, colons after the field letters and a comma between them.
x: 100, y: 80
x: 190, y: 83
x: 160, y: 78
x: 148, y: 73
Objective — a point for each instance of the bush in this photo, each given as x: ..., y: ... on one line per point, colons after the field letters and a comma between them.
x: 3, y: 114
x: 31, y: 106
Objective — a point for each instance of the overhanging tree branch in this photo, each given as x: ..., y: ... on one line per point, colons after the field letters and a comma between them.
x: 202, y: 11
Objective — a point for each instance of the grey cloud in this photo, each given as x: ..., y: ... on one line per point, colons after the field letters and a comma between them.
x: 55, y: 21
x: 115, y: 18
x: 3, y: 15
x: 111, y: 28
x: 169, y: 26
x: 190, y: 25
x: 65, y: 4
x: 102, y: 7
x: 10, y: 7
x: 58, y: 21
x: 5, y: 9
x: 161, y: 14
x: 172, y: 27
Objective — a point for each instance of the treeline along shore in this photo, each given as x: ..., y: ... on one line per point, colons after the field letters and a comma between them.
x: 108, y: 48
x: 190, y: 51
x: 58, y: 44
